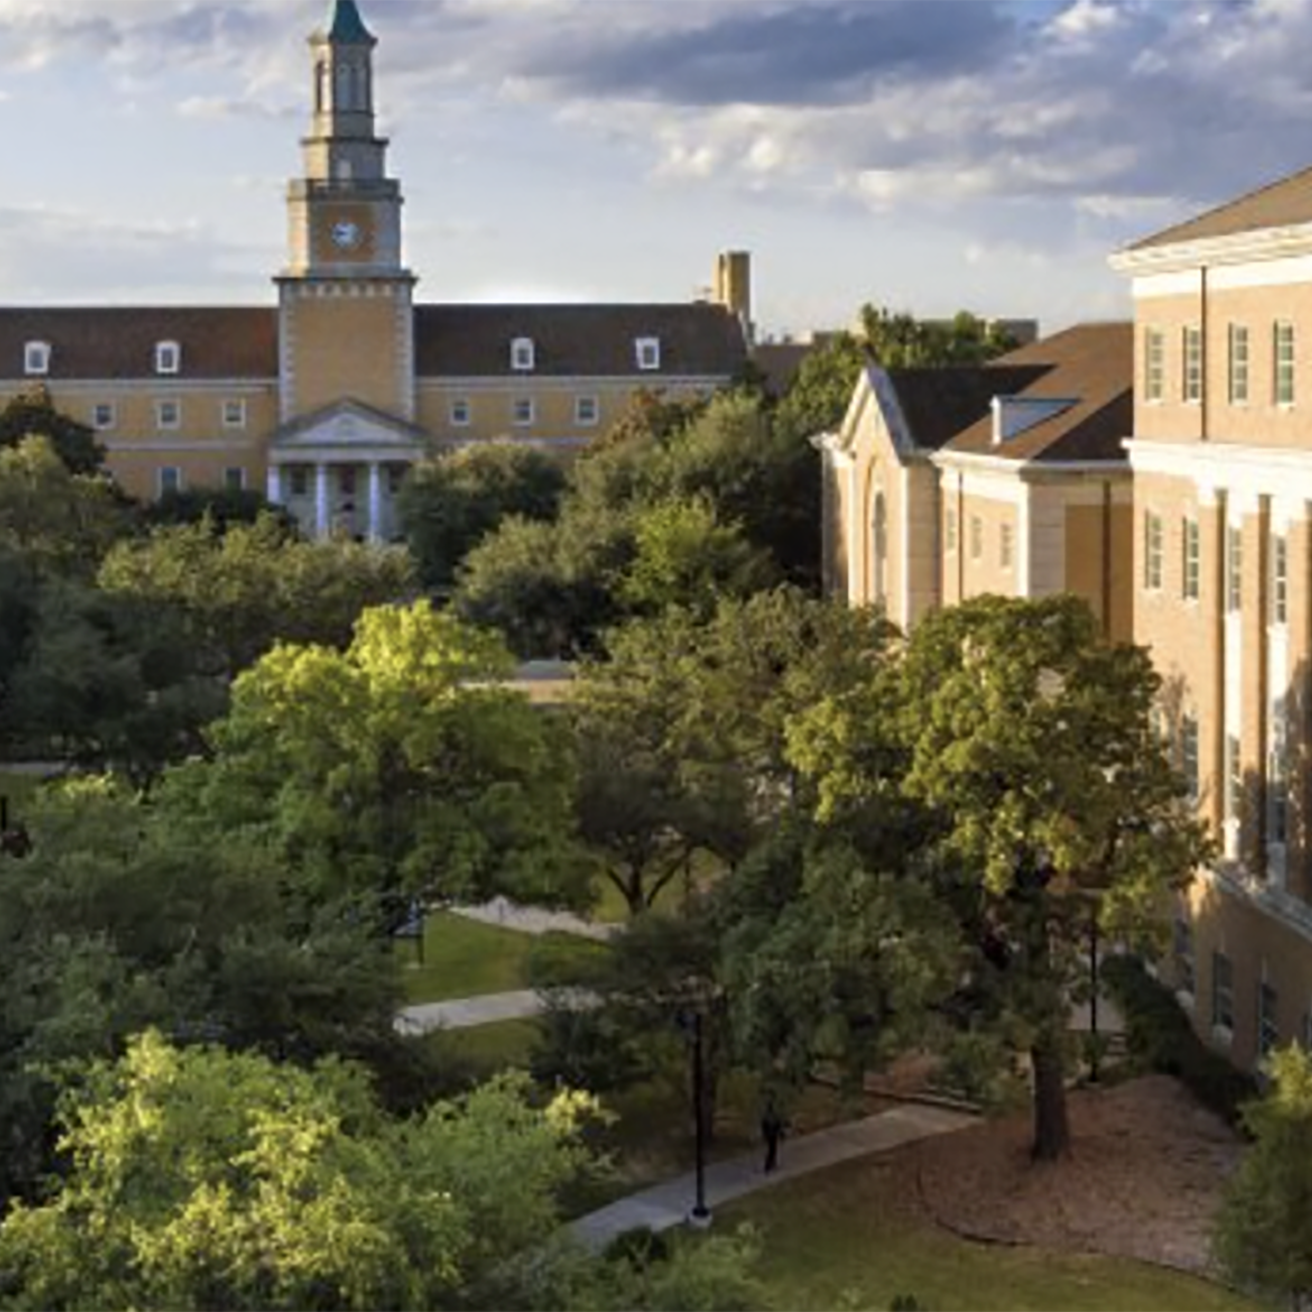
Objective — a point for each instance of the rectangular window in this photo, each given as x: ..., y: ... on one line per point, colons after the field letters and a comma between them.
x: 169, y: 479
x: 1006, y: 547
x: 1277, y: 797
x: 1234, y: 567
x: 103, y: 416
x: 523, y: 411
x: 1284, y: 357
x: 647, y: 350
x: 976, y: 537
x: 1279, y: 579
x: 950, y: 530
x: 168, y: 357
x: 460, y: 413
x: 1189, y: 756
x: 168, y: 414
x: 1152, y: 551
x: 299, y: 481
x: 1184, y: 955
x: 522, y: 355
x: 1154, y: 364
x: 587, y: 411
x: 1234, y: 778
x: 36, y: 358
x: 1223, y: 992
x: 234, y: 414
x: 1268, y: 1028
x: 1192, y: 381
x: 1238, y: 364
x: 234, y: 480
x: 1191, y: 575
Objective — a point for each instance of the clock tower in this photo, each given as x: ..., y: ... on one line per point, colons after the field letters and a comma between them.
x: 345, y: 298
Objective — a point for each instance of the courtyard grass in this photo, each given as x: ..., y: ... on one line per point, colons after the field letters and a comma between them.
x: 849, y: 1237
x: 468, y: 959
x: 17, y: 787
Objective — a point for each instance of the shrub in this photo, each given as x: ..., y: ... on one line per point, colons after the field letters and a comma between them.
x: 1161, y: 1038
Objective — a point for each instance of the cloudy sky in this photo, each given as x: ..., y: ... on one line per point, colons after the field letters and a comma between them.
x: 922, y: 154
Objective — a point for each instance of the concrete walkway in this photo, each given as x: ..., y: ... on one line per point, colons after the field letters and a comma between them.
x: 464, y: 1013
x: 534, y: 920
x: 666, y: 1205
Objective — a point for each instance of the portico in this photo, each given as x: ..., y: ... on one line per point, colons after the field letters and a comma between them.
x: 339, y: 470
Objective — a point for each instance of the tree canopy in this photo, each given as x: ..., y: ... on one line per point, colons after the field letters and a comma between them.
x: 31, y: 413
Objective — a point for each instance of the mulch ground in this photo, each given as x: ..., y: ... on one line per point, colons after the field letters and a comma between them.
x: 1143, y: 1179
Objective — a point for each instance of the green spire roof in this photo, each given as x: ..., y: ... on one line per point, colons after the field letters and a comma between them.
x: 347, y: 26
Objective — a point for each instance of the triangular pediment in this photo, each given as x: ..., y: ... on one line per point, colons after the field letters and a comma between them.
x: 349, y: 427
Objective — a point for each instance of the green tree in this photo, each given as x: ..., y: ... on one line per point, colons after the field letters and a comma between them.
x: 222, y: 506
x: 62, y: 521
x: 1263, y: 1234
x: 818, y: 396
x: 450, y: 504
x: 203, y: 1178
x: 398, y: 767
x: 32, y: 413
x: 1048, y: 798
x: 240, y: 591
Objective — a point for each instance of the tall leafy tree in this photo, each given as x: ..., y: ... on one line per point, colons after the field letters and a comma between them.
x: 450, y: 504
x: 1263, y: 1235
x: 204, y: 1178
x: 32, y: 413
x: 398, y: 767
x: 1048, y: 798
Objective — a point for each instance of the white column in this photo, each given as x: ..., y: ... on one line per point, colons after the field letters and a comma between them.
x: 375, y: 501
x: 275, y: 485
x: 321, y: 521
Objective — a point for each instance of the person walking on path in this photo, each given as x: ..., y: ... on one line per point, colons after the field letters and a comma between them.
x: 772, y: 1131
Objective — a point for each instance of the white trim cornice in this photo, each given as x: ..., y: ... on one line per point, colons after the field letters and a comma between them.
x: 1029, y: 470
x: 1234, y: 248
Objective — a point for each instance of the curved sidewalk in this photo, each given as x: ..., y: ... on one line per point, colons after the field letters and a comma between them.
x: 666, y: 1205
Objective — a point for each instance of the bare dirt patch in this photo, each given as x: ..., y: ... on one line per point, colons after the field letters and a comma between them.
x: 1143, y: 1179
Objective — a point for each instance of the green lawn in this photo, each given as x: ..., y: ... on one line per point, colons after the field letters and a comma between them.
x: 845, y: 1237
x: 18, y: 788
x: 487, y: 1049
x: 466, y: 959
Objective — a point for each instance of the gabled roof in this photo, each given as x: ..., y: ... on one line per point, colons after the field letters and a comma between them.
x: 1092, y: 365
x: 473, y: 341
x: 119, y: 342
x: 1285, y: 203
x: 940, y: 403
x: 347, y: 421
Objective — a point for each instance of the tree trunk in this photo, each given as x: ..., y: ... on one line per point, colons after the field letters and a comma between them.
x: 1052, y: 1131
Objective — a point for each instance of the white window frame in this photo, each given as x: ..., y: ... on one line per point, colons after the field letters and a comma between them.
x: 587, y: 411
x: 298, y: 481
x: 647, y: 353
x: 110, y: 419
x: 237, y: 484
x: 36, y: 359
x: 1284, y: 363
x: 161, y: 478
x: 1238, y: 364
x: 168, y: 358
x: 523, y: 412
x: 1191, y: 353
x: 950, y: 529
x: 1152, y: 551
x: 234, y: 414
x: 1191, y: 563
x: 1268, y: 1022
x: 1154, y: 364
x: 1279, y: 579
x: 1006, y: 546
x: 1234, y: 567
x: 1190, y: 759
x: 460, y: 413
x: 161, y: 421
x: 523, y: 355
x: 976, y: 538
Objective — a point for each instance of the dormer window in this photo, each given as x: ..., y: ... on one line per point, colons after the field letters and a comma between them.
x: 648, y: 353
x: 168, y: 358
x: 522, y: 355
x: 36, y: 358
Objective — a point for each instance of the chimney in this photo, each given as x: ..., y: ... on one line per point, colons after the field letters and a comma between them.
x: 733, y: 287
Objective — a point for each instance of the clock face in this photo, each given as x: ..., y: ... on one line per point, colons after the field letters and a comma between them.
x: 346, y: 235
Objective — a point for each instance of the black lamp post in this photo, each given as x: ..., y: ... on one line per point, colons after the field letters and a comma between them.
x: 1093, y: 991
x: 690, y: 1021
